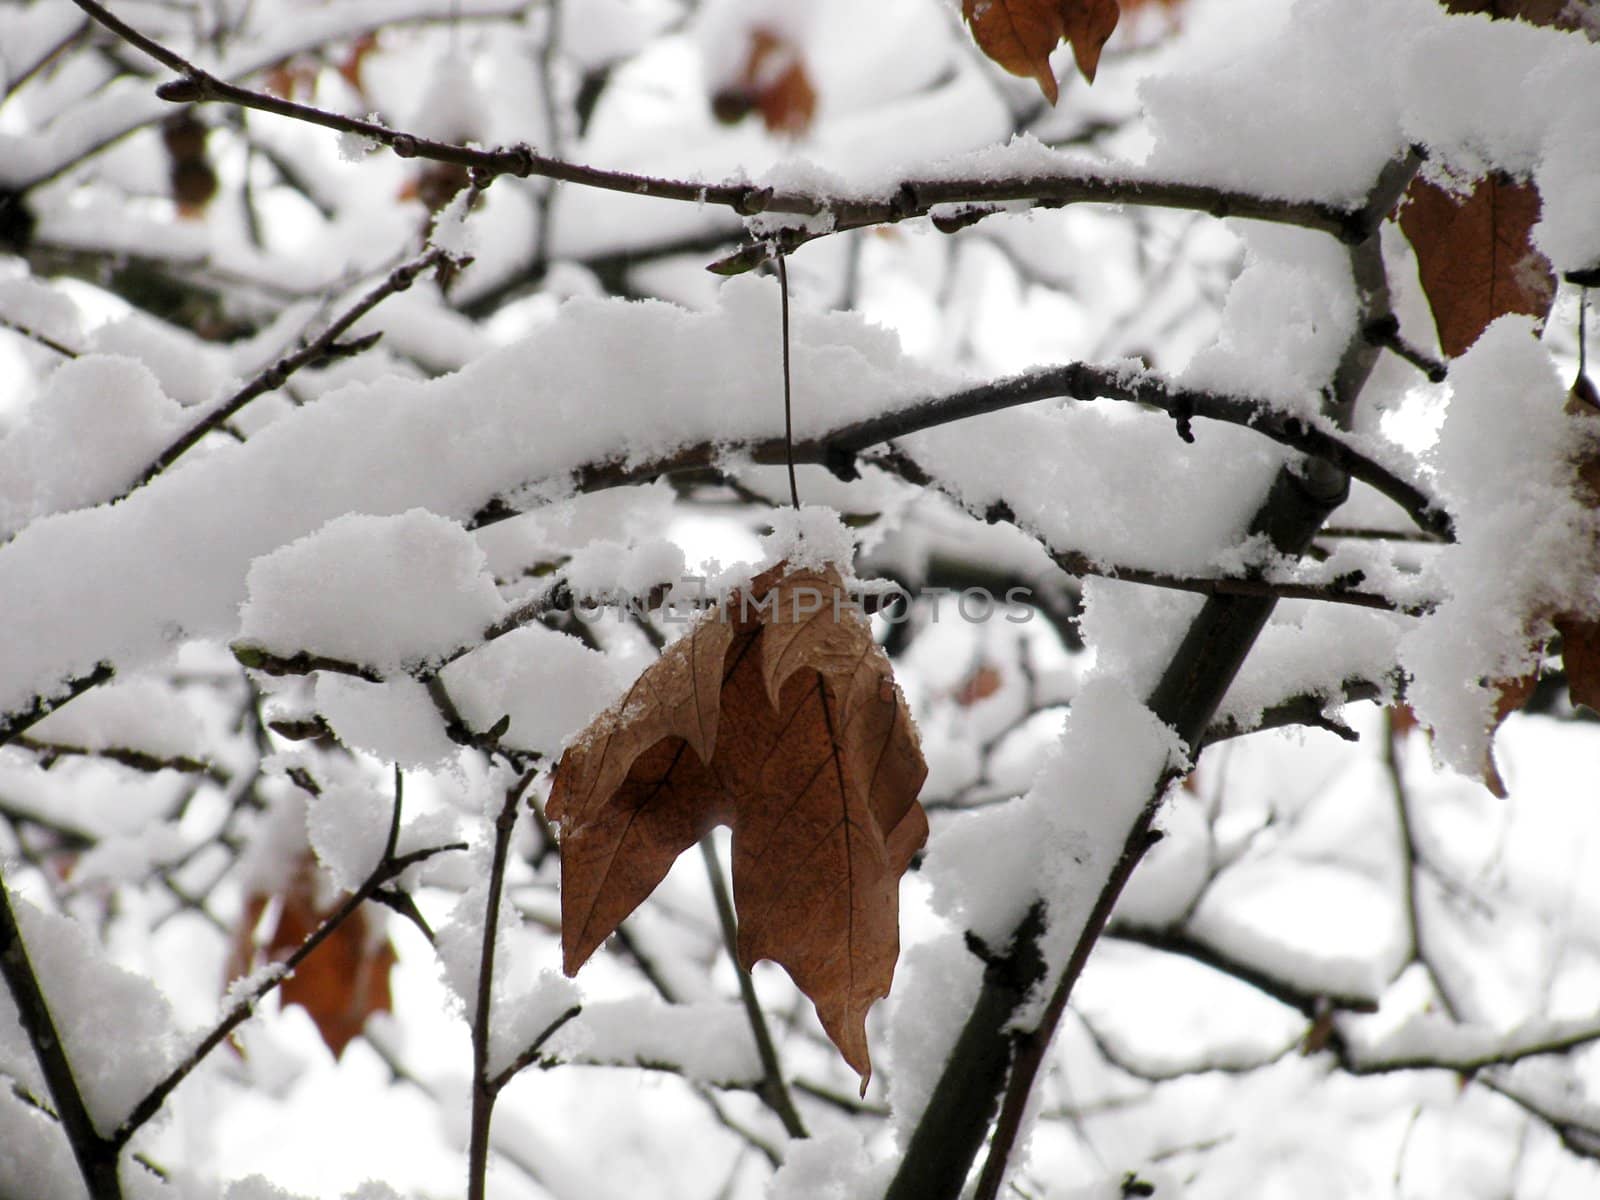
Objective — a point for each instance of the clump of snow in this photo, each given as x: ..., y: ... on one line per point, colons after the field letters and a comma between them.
x: 114, y: 1025
x: 1286, y: 322
x: 396, y: 720
x: 1174, y: 870
x: 706, y: 1042
x: 46, y: 1171
x: 99, y: 422
x: 1312, y: 650
x: 1059, y: 842
x: 1524, y: 540
x: 452, y: 108
x: 392, y: 593
x: 130, y: 857
x: 936, y: 983
x: 831, y: 1166
x: 135, y: 714
x: 189, y: 370
x: 42, y: 309
x: 348, y: 827
x: 609, y: 568
x: 549, y: 684
x: 355, y: 146
x: 450, y: 230
x: 810, y: 537
x: 524, y: 1016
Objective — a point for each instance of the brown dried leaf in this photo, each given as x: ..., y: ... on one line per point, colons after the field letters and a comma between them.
x: 773, y: 82
x: 1476, y: 257
x: 1020, y: 34
x: 342, y: 982
x: 1580, y: 632
x: 814, y: 764
x: 1510, y: 696
x: 355, y: 58
x: 984, y: 682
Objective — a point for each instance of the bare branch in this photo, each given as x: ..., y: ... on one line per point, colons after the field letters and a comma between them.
x: 96, y: 1155
x: 138, y: 760
x: 14, y: 723
x: 484, y: 1087
x: 390, y: 867
x: 772, y: 1089
x: 326, y: 345
x: 962, y: 201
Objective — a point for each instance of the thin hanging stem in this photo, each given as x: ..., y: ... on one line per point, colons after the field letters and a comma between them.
x: 788, y: 394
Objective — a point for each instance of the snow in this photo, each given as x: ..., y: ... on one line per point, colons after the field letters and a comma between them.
x: 831, y: 1166
x: 706, y: 1042
x: 187, y: 369
x: 115, y: 1026
x: 936, y: 983
x: 810, y: 537
x: 146, y: 715
x: 1060, y: 841
x: 392, y: 593
x: 99, y: 421
x: 347, y: 826
x: 180, y: 548
x: 396, y: 721
x: 549, y: 684
x: 343, y: 527
x: 1524, y: 539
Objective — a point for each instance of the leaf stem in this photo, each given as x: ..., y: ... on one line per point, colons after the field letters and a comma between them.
x: 788, y: 402
x: 96, y: 1155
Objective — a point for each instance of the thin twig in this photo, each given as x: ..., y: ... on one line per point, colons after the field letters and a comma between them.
x: 963, y: 201
x: 326, y: 345
x: 48, y: 342
x: 788, y: 396
x: 484, y: 1088
x: 534, y: 1051
x: 772, y: 1089
x: 96, y: 1155
x: 389, y: 868
x: 838, y: 447
x: 127, y: 756
x: 41, y: 706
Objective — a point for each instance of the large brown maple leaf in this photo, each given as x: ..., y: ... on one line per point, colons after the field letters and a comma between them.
x: 778, y: 716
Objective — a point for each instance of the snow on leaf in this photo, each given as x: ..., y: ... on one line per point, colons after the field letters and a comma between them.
x: 778, y: 716
x: 1020, y: 34
x: 1476, y: 256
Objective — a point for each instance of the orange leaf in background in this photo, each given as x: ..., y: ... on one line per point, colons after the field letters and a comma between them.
x: 778, y: 716
x: 1020, y: 34
x: 342, y: 982
x: 350, y: 65
x: 773, y: 82
x: 984, y: 682
x: 1475, y: 256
